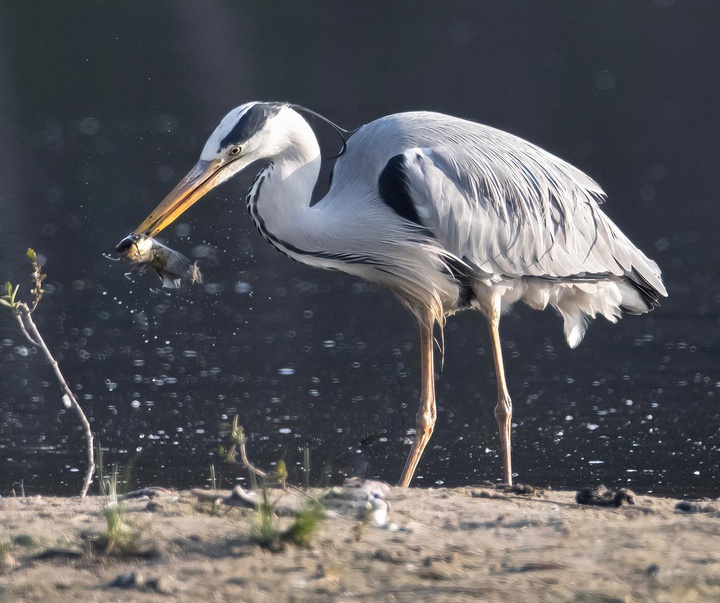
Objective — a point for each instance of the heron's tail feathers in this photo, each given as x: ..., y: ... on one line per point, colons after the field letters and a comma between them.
x: 640, y: 295
x: 578, y: 303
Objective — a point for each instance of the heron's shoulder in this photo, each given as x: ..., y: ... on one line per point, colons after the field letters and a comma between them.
x: 414, y: 122
x: 428, y: 129
x: 375, y: 143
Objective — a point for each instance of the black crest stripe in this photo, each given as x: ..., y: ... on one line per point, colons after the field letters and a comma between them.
x: 251, y: 122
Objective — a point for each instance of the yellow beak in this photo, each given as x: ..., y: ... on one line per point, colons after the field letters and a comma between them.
x: 199, y: 180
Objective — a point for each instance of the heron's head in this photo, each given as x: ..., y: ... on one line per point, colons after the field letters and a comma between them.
x: 248, y: 133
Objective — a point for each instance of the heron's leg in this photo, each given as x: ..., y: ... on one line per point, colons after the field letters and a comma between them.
x: 503, y: 409
x: 425, y: 418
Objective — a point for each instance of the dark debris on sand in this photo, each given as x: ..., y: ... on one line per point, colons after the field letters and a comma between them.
x: 601, y: 496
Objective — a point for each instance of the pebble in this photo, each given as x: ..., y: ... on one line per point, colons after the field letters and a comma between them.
x: 686, y: 506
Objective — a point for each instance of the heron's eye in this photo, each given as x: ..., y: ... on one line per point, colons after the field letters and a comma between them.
x: 235, y: 151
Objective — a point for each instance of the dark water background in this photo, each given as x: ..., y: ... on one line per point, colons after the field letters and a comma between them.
x: 103, y: 106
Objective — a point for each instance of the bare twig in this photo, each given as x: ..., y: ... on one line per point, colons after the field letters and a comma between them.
x: 239, y: 439
x: 244, y: 458
x: 38, y: 340
x: 23, y: 313
x: 24, y: 330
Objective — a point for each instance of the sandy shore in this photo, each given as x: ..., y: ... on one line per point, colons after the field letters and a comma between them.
x: 463, y: 544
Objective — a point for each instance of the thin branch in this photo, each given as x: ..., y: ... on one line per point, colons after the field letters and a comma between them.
x: 243, y: 457
x: 24, y: 331
x: 24, y: 312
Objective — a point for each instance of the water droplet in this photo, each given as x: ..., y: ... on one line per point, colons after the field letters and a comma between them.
x: 243, y: 287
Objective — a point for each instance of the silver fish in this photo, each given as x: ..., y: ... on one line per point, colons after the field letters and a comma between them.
x: 145, y: 252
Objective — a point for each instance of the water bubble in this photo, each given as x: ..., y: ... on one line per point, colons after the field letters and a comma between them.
x: 647, y: 192
x: 243, y: 287
x: 286, y: 371
x: 183, y: 229
x: 205, y: 252
x: 662, y: 244
x: 89, y: 126
x: 165, y: 173
x: 604, y: 80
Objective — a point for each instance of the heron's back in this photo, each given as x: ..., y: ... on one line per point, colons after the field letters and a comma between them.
x: 508, y: 212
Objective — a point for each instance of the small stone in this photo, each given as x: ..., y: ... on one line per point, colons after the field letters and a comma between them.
x: 602, y: 496
x: 523, y: 489
x: 163, y: 585
x: 383, y: 554
x: 686, y: 506
x: 24, y: 540
x: 652, y: 570
x: 486, y: 493
x: 433, y: 573
x: 154, y: 506
x: 128, y: 581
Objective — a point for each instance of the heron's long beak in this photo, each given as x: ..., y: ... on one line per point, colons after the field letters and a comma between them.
x: 199, y: 180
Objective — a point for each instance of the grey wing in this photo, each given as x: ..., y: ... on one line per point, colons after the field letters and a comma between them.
x: 515, y: 210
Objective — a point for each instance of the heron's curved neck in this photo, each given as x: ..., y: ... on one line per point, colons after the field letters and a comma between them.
x: 279, y: 199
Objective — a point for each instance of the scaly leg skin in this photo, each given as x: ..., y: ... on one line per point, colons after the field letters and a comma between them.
x: 425, y: 418
x: 503, y: 410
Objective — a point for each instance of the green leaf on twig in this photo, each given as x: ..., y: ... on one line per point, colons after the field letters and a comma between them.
x: 9, y: 298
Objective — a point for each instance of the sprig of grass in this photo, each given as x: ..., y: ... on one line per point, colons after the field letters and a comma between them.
x: 213, y: 478
x: 266, y: 532
x: 120, y: 538
x: 306, y: 524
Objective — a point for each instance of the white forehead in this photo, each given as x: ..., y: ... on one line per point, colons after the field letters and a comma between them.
x: 215, y: 143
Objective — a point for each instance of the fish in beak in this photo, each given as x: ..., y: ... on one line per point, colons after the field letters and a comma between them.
x: 143, y: 251
x: 171, y: 266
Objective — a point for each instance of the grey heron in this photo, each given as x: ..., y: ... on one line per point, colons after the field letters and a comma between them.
x: 446, y: 213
